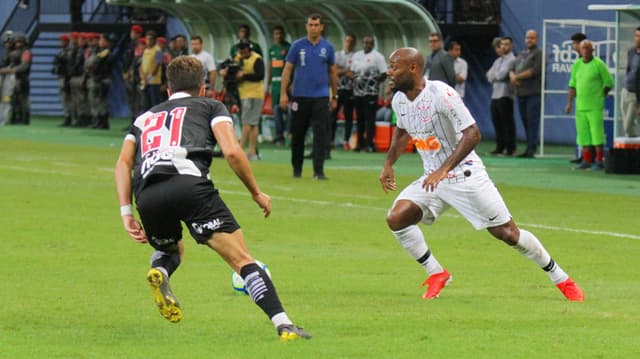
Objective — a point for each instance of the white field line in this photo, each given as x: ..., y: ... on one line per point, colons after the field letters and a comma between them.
x: 34, y: 170
x: 344, y: 204
x: 450, y: 215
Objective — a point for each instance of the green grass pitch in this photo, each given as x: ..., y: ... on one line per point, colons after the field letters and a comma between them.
x: 72, y: 284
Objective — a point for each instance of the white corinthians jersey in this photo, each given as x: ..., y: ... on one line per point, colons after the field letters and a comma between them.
x: 435, y: 120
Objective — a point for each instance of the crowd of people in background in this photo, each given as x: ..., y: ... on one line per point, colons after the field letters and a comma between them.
x: 86, y: 61
x: 83, y: 67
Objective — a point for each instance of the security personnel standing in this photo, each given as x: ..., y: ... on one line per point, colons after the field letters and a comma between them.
x: 80, y: 112
x: 6, y: 78
x: 98, y: 68
x: 61, y: 68
x: 20, y: 66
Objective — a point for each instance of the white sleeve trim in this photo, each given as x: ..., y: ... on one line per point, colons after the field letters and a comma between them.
x: 130, y: 137
x: 216, y: 120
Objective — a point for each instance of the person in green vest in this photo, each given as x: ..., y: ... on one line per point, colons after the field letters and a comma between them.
x: 277, y: 53
x: 589, y: 84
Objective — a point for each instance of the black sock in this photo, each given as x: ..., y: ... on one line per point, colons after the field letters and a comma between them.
x: 261, y: 289
x: 167, y: 260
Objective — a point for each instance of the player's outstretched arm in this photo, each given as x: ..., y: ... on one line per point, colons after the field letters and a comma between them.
x: 122, y: 175
x: 470, y: 138
x: 237, y: 160
x: 398, y: 144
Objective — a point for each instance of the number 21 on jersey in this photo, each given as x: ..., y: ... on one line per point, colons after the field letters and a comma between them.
x: 157, y: 132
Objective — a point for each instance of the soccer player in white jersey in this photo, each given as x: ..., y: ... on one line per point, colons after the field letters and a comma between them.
x: 432, y: 113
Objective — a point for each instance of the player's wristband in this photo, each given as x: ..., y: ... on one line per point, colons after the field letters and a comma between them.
x: 126, y: 210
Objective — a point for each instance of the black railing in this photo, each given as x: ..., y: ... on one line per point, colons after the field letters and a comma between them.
x: 23, y: 19
x: 463, y: 11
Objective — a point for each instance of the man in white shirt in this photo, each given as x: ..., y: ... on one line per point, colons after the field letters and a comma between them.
x: 434, y: 116
x: 207, y: 62
x: 459, y: 66
x: 369, y: 69
x: 344, y: 59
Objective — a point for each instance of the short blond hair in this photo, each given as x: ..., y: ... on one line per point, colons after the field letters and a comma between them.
x: 185, y: 73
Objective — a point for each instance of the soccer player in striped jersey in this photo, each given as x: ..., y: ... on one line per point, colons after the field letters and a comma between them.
x: 169, y: 150
x: 434, y: 116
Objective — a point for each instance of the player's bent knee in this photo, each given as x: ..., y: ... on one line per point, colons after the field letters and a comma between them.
x: 394, y: 222
x: 400, y: 217
x: 507, y: 233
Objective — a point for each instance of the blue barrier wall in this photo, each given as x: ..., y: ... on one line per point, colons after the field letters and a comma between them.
x: 518, y: 16
x: 5, y: 10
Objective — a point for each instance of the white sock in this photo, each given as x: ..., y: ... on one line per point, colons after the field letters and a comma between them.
x: 412, y: 240
x: 280, y: 319
x: 531, y: 247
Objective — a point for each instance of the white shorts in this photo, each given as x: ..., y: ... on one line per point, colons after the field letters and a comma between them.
x: 476, y: 198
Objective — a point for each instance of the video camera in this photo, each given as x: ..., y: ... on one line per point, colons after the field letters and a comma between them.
x: 232, y: 70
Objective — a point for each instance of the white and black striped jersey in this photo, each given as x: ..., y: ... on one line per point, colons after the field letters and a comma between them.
x: 344, y: 60
x: 367, y: 68
x: 435, y: 120
x: 176, y: 138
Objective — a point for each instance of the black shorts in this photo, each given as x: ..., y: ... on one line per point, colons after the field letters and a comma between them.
x: 163, y: 203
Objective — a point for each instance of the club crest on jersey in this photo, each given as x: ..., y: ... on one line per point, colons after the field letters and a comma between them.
x: 423, y: 112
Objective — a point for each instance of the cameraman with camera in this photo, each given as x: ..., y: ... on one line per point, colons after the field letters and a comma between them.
x: 248, y: 79
x: 229, y: 70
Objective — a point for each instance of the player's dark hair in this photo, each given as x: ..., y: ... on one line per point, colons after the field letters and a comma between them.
x: 578, y: 37
x: 186, y: 74
x: 315, y: 16
x: 351, y: 35
x: 152, y: 34
x: 436, y: 34
x: 278, y: 28
x: 244, y: 44
x: 246, y: 29
x: 507, y: 38
x: 451, y: 44
x: 197, y: 38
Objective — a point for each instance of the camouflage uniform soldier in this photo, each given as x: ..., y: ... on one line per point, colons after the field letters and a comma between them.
x: 20, y: 66
x: 61, y: 68
x: 80, y: 112
x: 98, y: 68
x: 7, y: 79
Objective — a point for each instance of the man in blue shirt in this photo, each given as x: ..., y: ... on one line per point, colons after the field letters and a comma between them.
x: 311, y: 60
